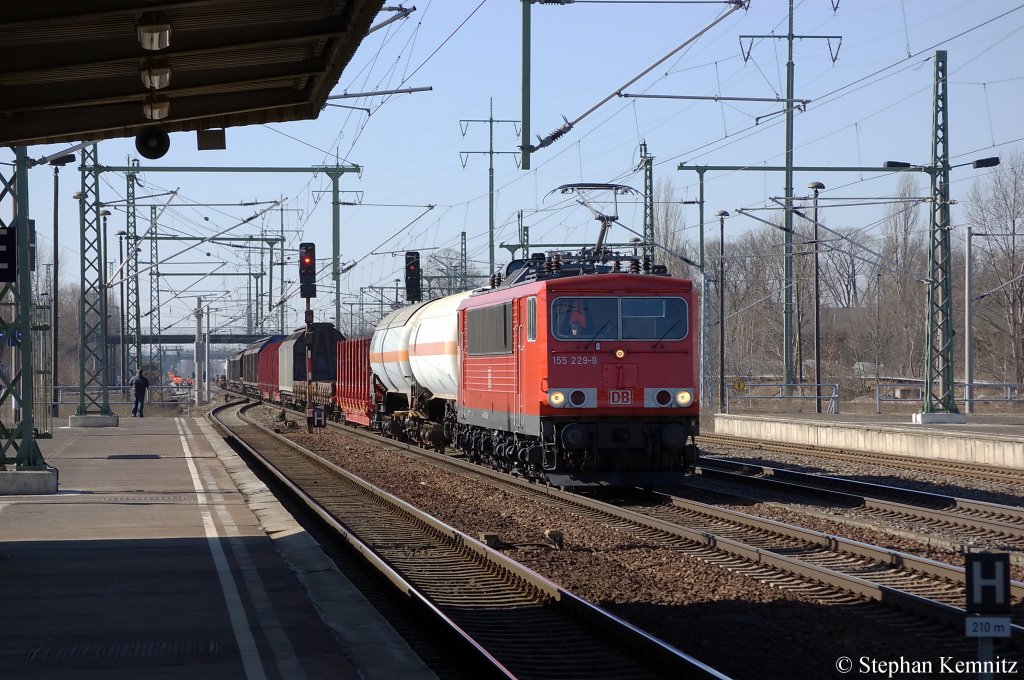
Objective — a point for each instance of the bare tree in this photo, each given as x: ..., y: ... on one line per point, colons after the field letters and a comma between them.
x: 902, y: 303
x: 843, y: 272
x: 995, y: 208
x: 447, y: 275
x: 754, y: 295
x: 669, y: 226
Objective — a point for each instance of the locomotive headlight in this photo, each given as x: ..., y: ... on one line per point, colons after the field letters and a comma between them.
x: 684, y: 397
x: 556, y: 398
x: 620, y: 353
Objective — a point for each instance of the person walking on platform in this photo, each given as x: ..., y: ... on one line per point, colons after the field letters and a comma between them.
x: 141, y: 383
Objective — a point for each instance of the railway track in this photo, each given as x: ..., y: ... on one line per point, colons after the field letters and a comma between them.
x: 944, y: 467
x: 932, y: 588
x: 987, y: 525
x: 517, y: 623
x: 827, y: 568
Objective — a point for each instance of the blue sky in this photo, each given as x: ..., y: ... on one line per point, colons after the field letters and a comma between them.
x: 873, y: 103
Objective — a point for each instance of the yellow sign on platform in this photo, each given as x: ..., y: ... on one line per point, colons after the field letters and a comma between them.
x: 740, y: 385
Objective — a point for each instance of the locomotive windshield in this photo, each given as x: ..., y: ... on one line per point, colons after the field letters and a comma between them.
x: 613, y: 318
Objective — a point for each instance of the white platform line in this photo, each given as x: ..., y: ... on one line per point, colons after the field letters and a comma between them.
x: 236, y: 610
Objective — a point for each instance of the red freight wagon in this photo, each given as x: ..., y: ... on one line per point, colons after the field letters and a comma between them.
x: 353, y: 393
x: 268, y: 371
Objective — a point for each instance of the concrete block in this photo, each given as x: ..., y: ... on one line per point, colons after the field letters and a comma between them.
x: 926, y: 418
x: 27, y: 482
x: 93, y: 421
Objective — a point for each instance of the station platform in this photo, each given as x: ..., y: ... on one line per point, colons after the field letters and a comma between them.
x: 996, y: 440
x: 163, y: 557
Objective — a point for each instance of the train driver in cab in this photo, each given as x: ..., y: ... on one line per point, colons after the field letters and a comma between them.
x: 577, y: 321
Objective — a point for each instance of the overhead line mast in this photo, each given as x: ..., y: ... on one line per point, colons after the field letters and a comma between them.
x: 787, y: 330
x: 464, y: 124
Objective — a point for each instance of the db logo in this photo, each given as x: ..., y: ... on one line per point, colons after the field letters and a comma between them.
x: 620, y: 397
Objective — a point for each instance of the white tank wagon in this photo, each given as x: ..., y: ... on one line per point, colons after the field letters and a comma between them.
x: 417, y: 347
x: 389, y: 350
x: 433, y: 346
x: 414, y: 354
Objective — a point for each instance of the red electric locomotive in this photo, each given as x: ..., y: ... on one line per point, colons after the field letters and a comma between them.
x: 581, y: 374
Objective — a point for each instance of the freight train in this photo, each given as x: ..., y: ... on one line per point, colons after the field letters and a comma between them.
x: 571, y: 370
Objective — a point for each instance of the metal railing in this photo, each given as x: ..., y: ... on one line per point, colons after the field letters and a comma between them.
x: 828, y: 393
x: 175, y: 395
x: 911, y: 392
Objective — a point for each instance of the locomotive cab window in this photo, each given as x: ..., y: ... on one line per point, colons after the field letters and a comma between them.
x: 653, y: 319
x: 627, y: 318
x: 585, y: 318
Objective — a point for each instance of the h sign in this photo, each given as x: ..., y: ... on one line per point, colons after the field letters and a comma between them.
x: 988, y: 583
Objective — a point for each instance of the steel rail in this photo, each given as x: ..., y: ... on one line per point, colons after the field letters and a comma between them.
x: 620, y: 639
x: 1006, y: 521
x: 945, y: 467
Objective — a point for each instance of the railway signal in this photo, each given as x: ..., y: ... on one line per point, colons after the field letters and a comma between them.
x: 307, y: 270
x: 8, y: 254
x: 413, y: 292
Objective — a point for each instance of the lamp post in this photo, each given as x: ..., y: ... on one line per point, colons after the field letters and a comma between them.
x: 878, y: 336
x: 969, y: 314
x: 721, y: 215
x: 816, y: 187
x: 104, y: 214
x: 969, y: 303
x: 57, y: 164
x: 121, y: 233
x: 939, y: 404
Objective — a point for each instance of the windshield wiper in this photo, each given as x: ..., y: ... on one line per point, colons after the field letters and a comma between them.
x: 665, y: 335
x: 594, y: 337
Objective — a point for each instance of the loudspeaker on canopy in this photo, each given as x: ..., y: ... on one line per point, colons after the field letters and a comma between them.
x: 152, y: 142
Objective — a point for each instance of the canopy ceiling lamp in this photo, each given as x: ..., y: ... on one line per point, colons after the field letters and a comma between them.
x: 156, y: 107
x: 154, y: 29
x: 156, y: 75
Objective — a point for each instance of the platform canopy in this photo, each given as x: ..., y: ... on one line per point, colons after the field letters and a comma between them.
x: 79, y: 70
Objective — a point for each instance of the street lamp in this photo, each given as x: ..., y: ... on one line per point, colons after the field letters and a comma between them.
x: 121, y: 233
x: 969, y: 305
x: 939, y: 354
x: 969, y: 315
x: 816, y: 187
x: 57, y: 164
x: 104, y: 214
x: 721, y: 215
